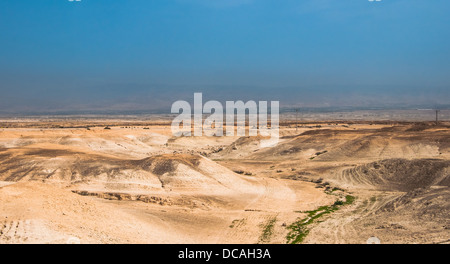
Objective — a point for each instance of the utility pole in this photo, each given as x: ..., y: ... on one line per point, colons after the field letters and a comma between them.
x: 437, y: 117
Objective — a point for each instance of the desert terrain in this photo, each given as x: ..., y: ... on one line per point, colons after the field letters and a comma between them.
x: 113, y: 181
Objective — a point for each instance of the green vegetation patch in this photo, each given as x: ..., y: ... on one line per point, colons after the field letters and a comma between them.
x: 299, y: 229
x: 268, y: 230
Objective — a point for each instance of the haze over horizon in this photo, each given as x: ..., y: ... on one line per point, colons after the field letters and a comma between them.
x: 121, y: 55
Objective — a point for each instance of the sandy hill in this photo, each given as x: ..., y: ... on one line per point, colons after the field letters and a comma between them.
x: 33, y: 212
x: 169, y: 172
x: 365, y: 144
x: 399, y: 174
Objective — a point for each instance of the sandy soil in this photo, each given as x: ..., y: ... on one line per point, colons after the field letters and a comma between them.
x: 134, y: 183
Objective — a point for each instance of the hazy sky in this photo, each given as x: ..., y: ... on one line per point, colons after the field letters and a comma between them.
x: 145, y: 54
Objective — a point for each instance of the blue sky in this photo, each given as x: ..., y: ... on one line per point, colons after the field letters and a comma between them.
x: 145, y: 54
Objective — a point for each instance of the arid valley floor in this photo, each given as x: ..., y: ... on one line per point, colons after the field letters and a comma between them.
x: 327, y: 182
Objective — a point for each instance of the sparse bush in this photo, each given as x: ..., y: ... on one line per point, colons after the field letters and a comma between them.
x: 338, y: 203
x: 318, y: 180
